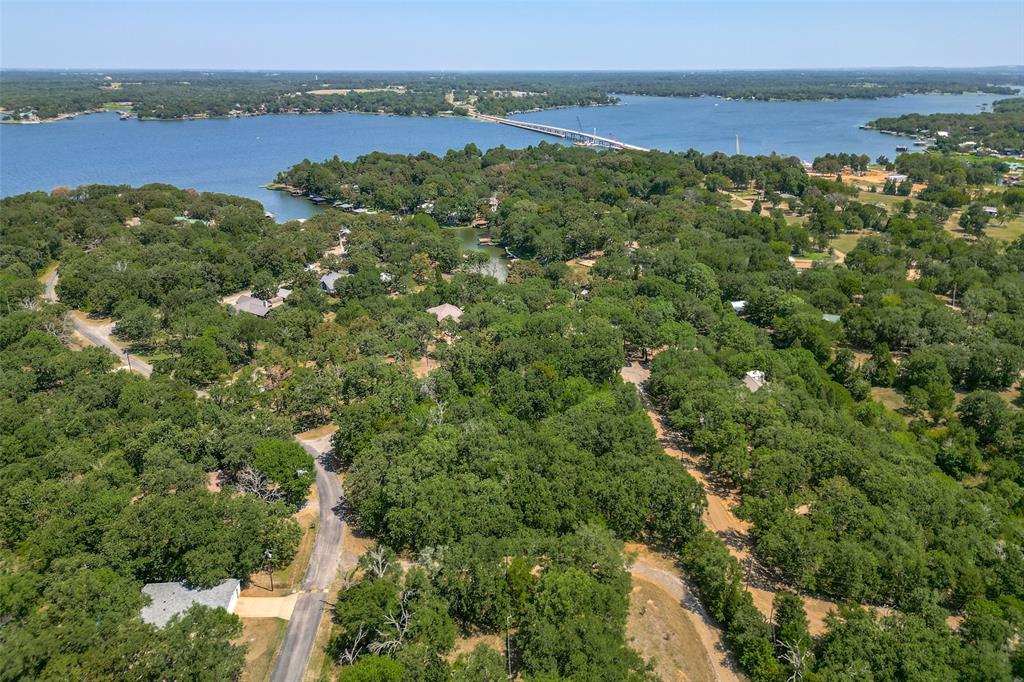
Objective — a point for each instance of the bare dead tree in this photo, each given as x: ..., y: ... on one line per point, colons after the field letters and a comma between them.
x: 396, y: 627
x: 349, y: 655
x: 377, y: 561
x: 796, y: 655
x: 256, y: 483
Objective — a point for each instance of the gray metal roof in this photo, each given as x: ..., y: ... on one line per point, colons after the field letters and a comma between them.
x: 253, y: 305
x: 329, y: 279
x: 170, y: 599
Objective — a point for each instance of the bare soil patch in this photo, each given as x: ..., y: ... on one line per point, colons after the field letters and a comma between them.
x: 660, y: 629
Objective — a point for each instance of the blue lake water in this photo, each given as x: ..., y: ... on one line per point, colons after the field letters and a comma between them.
x: 240, y: 155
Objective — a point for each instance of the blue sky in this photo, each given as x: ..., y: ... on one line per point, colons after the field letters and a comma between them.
x: 483, y: 35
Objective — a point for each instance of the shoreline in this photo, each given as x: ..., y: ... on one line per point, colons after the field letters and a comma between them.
x: 451, y: 114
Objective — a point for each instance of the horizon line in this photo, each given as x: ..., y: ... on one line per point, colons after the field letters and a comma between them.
x: 88, y: 69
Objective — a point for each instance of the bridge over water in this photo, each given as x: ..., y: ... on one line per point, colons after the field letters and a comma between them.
x: 564, y: 133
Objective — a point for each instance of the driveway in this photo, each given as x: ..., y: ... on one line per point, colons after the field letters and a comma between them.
x: 323, y: 566
x: 96, y: 332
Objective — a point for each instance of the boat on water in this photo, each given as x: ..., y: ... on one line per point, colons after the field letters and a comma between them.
x: 901, y: 147
x: 124, y: 115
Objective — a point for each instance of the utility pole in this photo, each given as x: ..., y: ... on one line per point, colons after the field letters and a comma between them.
x: 508, y: 645
x: 268, y: 556
x: 128, y: 359
x: 737, y: 144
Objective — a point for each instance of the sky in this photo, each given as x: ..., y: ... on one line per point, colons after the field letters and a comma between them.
x: 484, y: 35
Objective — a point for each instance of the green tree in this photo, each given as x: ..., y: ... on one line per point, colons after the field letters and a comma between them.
x: 374, y: 669
x: 287, y: 464
x: 974, y: 219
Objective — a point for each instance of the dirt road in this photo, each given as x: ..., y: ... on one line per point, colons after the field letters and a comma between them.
x: 720, y: 519
x: 96, y: 332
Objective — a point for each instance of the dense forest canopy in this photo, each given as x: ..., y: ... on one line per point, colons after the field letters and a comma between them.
x: 501, y: 454
x: 169, y: 95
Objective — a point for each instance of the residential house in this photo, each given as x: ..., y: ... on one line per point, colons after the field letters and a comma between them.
x: 171, y: 599
x: 754, y: 380
x: 329, y: 281
x: 445, y: 311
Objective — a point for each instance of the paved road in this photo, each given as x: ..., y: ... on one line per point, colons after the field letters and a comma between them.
x: 323, y: 567
x: 97, y: 333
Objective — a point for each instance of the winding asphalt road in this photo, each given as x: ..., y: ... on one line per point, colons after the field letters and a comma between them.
x: 98, y: 334
x: 323, y: 567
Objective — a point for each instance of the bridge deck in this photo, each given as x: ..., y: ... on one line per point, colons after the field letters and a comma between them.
x: 564, y: 133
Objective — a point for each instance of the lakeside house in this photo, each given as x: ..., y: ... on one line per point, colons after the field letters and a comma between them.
x: 896, y: 177
x: 830, y: 317
x: 990, y: 210
x: 171, y: 599
x: 738, y: 306
x: 446, y: 311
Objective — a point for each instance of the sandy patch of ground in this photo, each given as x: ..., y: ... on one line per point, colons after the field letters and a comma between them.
x: 263, y: 637
x: 232, y: 299
x: 263, y: 607
x: 213, y: 481
x: 668, y: 623
x: 423, y: 366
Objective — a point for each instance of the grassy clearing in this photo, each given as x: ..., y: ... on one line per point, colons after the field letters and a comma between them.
x: 889, y: 397
x: 890, y: 202
x: 847, y: 242
x: 1008, y: 232
x: 264, y: 637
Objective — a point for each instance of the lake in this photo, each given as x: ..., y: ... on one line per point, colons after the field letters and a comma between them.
x: 240, y: 155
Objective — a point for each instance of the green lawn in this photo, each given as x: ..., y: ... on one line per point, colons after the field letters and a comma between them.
x: 847, y: 242
x: 890, y: 202
x: 1008, y: 232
